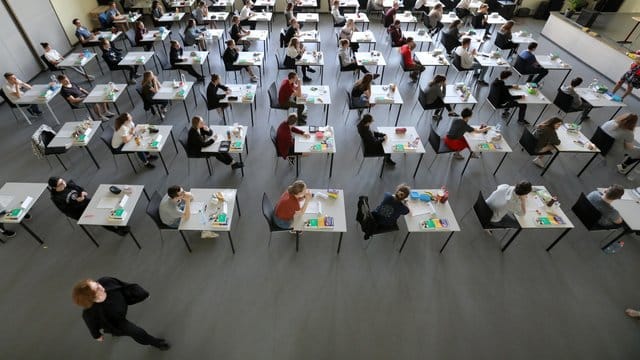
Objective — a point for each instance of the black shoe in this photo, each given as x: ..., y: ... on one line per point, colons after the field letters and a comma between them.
x: 375, y: 76
x: 306, y: 79
x: 292, y: 160
x: 483, y: 83
x: 8, y: 233
x: 302, y: 122
x: 152, y: 157
x: 149, y: 165
x: 585, y: 118
x: 163, y: 345
x: 389, y: 162
x: 453, y: 114
x: 237, y: 165
x: 137, y: 75
x: 505, y: 114
x: 200, y: 79
x: 524, y: 122
x: 311, y: 70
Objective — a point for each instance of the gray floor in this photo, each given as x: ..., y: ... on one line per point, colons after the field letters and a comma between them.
x: 368, y: 302
x: 615, y: 27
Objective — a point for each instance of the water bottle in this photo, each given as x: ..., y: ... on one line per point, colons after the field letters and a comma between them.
x: 614, y: 247
x: 203, y: 219
x: 594, y: 84
x: 498, y: 128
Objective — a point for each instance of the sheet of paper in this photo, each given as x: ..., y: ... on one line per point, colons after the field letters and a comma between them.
x: 589, y: 96
x: 305, y: 140
x: 421, y: 208
x: 628, y: 195
x: 517, y: 92
x: 165, y: 90
x: 314, y: 207
x: 196, y: 206
x: 5, y: 200
x: 108, y: 202
x: 65, y: 133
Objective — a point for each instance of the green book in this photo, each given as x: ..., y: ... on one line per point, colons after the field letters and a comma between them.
x: 155, y: 144
x: 313, y: 222
x: 15, y: 213
x: 222, y: 218
x: 81, y: 138
x: 544, y: 221
x: 118, y: 213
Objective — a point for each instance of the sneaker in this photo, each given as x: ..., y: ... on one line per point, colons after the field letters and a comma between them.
x: 237, y: 165
x: 539, y: 162
x: 306, y: 79
x: 152, y: 157
x: 622, y: 169
x: 311, y: 70
x: 483, y: 83
x: 137, y: 75
x: 109, y: 114
x: 149, y: 165
x: 206, y: 234
x: 131, y: 82
x: 254, y: 79
x: 505, y: 114
x: 165, y: 109
x: 389, y: 162
x: 457, y: 156
x: 27, y: 217
x: 523, y: 122
x: 375, y: 76
x: 292, y: 160
x: 436, y: 117
x: 302, y: 122
x: 453, y: 114
x: 163, y: 345
x: 103, y: 118
x: 8, y: 233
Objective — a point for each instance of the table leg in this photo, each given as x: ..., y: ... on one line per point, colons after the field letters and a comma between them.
x: 466, y: 163
x: 587, y: 164
x: 24, y: 115
x: 163, y: 163
x: 92, y: 158
x: 500, y: 164
x: 233, y: 249
x: 566, y: 76
x: 558, y: 239
x: 326, y: 114
x: 246, y: 144
x: 89, y: 235
x: 251, y: 109
x: 417, y: 166
x: 555, y: 155
x: 340, y: 243
x: 52, y: 114
x: 617, y: 111
x: 511, y: 240
x: 186, y: 110
x: 446, y: 242
x: 541, y: 112
x: 404, y: 242
x: 186, y: 242
x: 117, y: 108
x: 381, y: 169
x: 242, y: 168
x: 331, y: 166
x: 297, y: 240
x: 626, y: 40
x: 398, y: 116
x: 382, y: 75
x: 146, y: 195
x: 135, y: 240
x: 297, y: 166
x: 174, y: 141
x: 35, y: 236
x: 321, y: 75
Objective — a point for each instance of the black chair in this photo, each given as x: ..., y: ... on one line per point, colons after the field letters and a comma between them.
x: 484, y: 214
x: 603, y: 142
x: 267, y: 212
x: 50, y: 66
x: 229, y: 68
x: 166, y: 66
x: 149, y: 106
x: 369, y: 154
x: 367, y: 222
x: 589, y: 217
x: 456, y: 62
x: 352, y: 106
x: 183, y: 139
x: 406, y: 70
x: 281, y: 65
x: 46, y: 137
x: 154, y: 213
x: 564, y: 101
x: 11, y: 105
x: 106, y: 137
x: 519, y: 67
x: 449, y: 41
x: 273, y: 101
x: 502, y: 43
x: 529, y: 143
x: 437, y: 144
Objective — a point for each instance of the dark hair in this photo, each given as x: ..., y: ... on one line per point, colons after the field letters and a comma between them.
x: 455, y: 23
x: 523, y: 188
x: 8, y: 75
x: 173, y: 191
x: 437, y: 79
x: 120, y: 120
x: 215, y: 77
x: 53, y: 181
x: 466, y: 41
x: 44, y: 45
x: 396, y: 22
x: 577, y: 81
x: 82, y: 294
x: 532, y: 46
x: 549, y: 122
x: 402, y: 191
x: 230, y: 42
x: 614, y: 192
x: 626, y: 121
x: 292, y: 119
x: 74, y: 21
x: 365, y: 120
x: 292, y: 75
x: 466, y: 112
x: 61, y: 77
x: 505, y: 74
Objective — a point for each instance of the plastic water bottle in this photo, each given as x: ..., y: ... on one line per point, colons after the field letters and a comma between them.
x: 613, y: 248
x: 203, y: 219
x: 594, y: 84
x: 498, y: 128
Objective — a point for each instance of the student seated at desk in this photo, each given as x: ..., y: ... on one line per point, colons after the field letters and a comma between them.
x: 176, y: 56
x: 349, y: 63
x: 372, y: 140
x: 288, y: 13
x: 338, y: 18
x: 294, y: 52
x: 467, y: 60
x: 501, y: 98
x: 72, y: 200
x: 361, y: 91
x: 480, y: 20
x: 140, y: 31
x: 291, y: 89
x: 112, y: 56
x: 450, y: 37
x: 408, y: 60
x: 284, y: 137
x: 149, y: 88
x: 194, y: 36
x: 547, y: 138
x: 433, y: 20
x: 609, y: 217
x: 288, y: 206
x: 455, y: 137
x: 292, y: 31
x: 230, y: 56
x: 504, y: 36
x: 213, y: 98
x: 237, y: 33
x: 176, y: 206
x: 463, y: 9
x: 82, y: 33
x: 621, y: 129
x: 13, y: 90
x: 576, y: 102
x: 434, y: 97
x: 527, y: 64
x: 245, y: 14
x: 114, y: 14
x: 392, y: 206
x: 124, y: 132
x: 347, y: 31
x: 54, y: 58
x: 508, y: 200
x: 390, y: 15
x: 197, y: 139
x: 631, y: 78
x: 395, y: 32
x: 157, y: 12
x: 201, y: 14
x: 75, y: 95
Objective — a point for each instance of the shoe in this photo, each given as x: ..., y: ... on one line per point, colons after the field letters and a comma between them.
x: 622, y: 169
x: 311, y: 70
x: 165, y: 109
x: 505, y: 114
x: 109, y: 114
x: 523, y: 122
x: 237, y: 165
x: 131, y: 82
x: 375, y: 76
x: 483, y: 83
x: 200, y: 79
x: 302, y: 122
x: 137, y: 75
x: 306, y: 79
x: 457, y: 156
x: 103, y: 118
x: 91, y: 77
x: 152, y: 157
x: 436, y: 117
x: 149, y: 165
x: 163, y: 346
x: 475, y: 155
x: 453, y: 114
x: 539, y: 162
x: 206, y: 234
x: 585, y: 118
x: 254, y: 79
x: 389, y: 162
x: 8, y: 233
x: 31, y: 112
x: 292, y: 160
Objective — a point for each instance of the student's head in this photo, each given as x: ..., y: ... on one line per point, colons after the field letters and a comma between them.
x: 63, y: 79
x: 175, y: 193
x: 484, y: 7
x: 231, y: 43
x: 552, y: 123
x: 336, y: 3
x: 191, y: 23
x: 344, y: 43
x: 85, y: 293
x: 105, y: 44
x: 76, y: 22
x: 112, y: 4
x: 455, y: 24
x: 290, y: 6
x: 56, y: 183
x: 215, y: 78
x: 438, y: 79
x: 366, y: 80
x: 293, y: 22
x: 410, y: 43
x: 438, y: 6
x: 402, y: 192
x: 576, y: 82
x: 396, y: 5
x: 235, y: 19
x: 293, y: 42
x: 139, y: 25
x: 147, y: 76
x: 10, y: 77
x: 614, y: 192
x: 201, y: 3
x: 396, y: 23
x: 292, y: 76
x: 523, y: 188
x: 155, y: 4
x: 297, y: 189
x: 292, y: 119
x: 532, y: 46
x: 505, y: 74
x: 466, y: 113
x: 366, y: 120
x: 627, y: 121
x: 197, y: 122
x: 45, y: 46
x: 507, y: 26
x: 174, y: 44
x: 466, y: 42
x: 349, y: 23
x: 121, y: 120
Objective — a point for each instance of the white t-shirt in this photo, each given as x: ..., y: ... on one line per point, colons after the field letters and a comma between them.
x: 292, y: 52
x: 9, y: 90
x: 53, y: 56
x: 466, y: 57
x: 419, y: 4
x: 503, y: 201
x: 125, y: 129
x: 245, y: 13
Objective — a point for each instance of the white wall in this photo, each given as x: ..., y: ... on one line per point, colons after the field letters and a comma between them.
x: 67, y: 10
x: 630, y: 6
x: 16, y: 56
x: 41, y: 24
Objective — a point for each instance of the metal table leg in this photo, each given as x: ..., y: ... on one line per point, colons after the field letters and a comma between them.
x: 89, y: 235
x: 331, y: 165
x: 466, y: 163
x: 163, y: 163
x: 558, y: 239
x: 35, y: 236
x: 340, y: 243
x: 404, y: 242
x: 500, y: 164
x: 587, y: 164
x: 297, y: 166
x: 511, y: 240
x: 135, y: 240
x: 174, y: 141
x: 446, y: 242
x: 92, y: 157
x: 417, y: 166
x: 233, y: 250
x: 52, y: 114
x: 398, y: 116
x: 555, y: 155
x: 297, y: 240
x: 186, y: 242
x: 242, y: 168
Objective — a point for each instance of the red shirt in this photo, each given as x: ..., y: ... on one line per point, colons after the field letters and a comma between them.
x: 284, y: 139
x: 284, y: 93
x: 407, y: 59
x: 286, y: 207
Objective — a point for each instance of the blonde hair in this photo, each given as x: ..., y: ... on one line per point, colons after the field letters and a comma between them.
x: 297, y: 187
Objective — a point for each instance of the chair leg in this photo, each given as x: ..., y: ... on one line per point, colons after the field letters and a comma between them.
x: 360, y: 167
x: 208, y: 165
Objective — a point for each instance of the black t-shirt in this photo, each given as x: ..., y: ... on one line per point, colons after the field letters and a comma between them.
x: 73, y: 90
x: 458, y: 128
x: 67, y: 200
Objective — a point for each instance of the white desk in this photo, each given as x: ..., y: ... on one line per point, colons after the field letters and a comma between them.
x: 315, y: 58
x: 520, y: 37
x: 307, y: 4
x: 420, y: 36
x: 540, y: 216
x: 380, y: 95
x: 449, y: 18
x: 236, y: 135
x: 531, y: 99
x: 316, y: 95
x: 349, y: 4
x: 251, y: 58
x: 102, y: 93
x: 597, y: 100
x: 407, y: 143
x: 485, y: 143
x: 259, y: 35
x: 429, y: 59
x: 151, y: 142
x: 370, y: 58
x: 168, y: 91
x: 315, y: 144
x: 206, y: 213
x: 407, y: 18
x: 171, y: 17
x: 359, y: 17
x: 310, y: 37
x: 330, y: 207
x: 313, y: 18
x: 12, y: 196
x: 66, y: 137
x: 137, y: 58
x: 38, y: 94
x: 455, y: 96
x: 154, y: 36
x: 78, y: 59
x: 429, y: 217
x: 556, y: 64
x: 488, y: 60
x: 364, y: 37
x: 99, y: 210
x: 195, y: 58
x: 241, y: 94
x: 573, y: 142
x: 264, y: 16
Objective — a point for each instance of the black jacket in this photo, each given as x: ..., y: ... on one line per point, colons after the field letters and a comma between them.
x: 66, y: 202
x: 196, y: 141
x: 213, y: 98
x: 499, y: 94
x: 365, y: 218
x: 112, y: 57
x: 371, y: 140
x: 229, y: 57
x: 175, y: 55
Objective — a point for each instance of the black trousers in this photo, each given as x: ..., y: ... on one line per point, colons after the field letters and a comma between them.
x: 536, y: 74
x: 223, y: 158
x: 354, y: 66
x: 522, y: 109
x: 127, y: 328
x: 189, y: 69
x: 441, y: 105
x: 250, y: 24
x: 132, y: 70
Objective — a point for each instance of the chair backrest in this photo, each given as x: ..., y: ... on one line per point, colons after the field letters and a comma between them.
x: 106, y: 136
x: 131, y: 37
x: 183, y: 139
x: 483, y: 211
x: 520, y: 66
x: 273, y: 136
x: 267, y: 210
x: 528, y: 142
x: 501, y: 41
x: 153, y: 209
x: 434, y: 140
x: 147, y: 105
x: 602, y: 140
x: 563, y: 101
x: 273, y: 96
x: 6, y: 99
x: 46, y: 136
x: 103, y: 18
x: 50, y: 66
x: 448, y: 41
x: 283, y: 37
x: 586, y: 212
x: 281, y: 65
x: 457, y: 62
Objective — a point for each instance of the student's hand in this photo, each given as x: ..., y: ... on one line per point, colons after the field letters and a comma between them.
x: 306, y: 135
x: 215, y: 136
x: 188, y: 196
x: 384, y: 138
x: 308, y: 195
x: 100, y: 339
x: 228, y: 92
x: 84, y: 194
